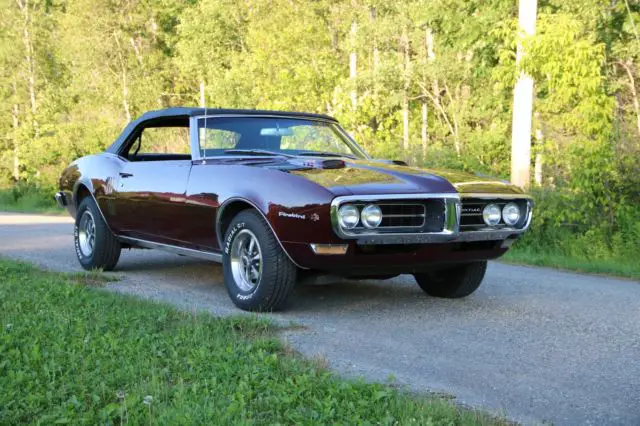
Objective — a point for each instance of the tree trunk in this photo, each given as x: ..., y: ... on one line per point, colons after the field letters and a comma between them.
x: 634, y: 93
x: 27, y: 40
x: 373, y: 13
x: 125, y: 84
x: 539, y: 135
x: 203, y: 100
x: 425, y: 135
x: 353, y: 69
x: 431, y: 57
x: 405, y: 94
x: 15, y: 111
x: 523, y: 104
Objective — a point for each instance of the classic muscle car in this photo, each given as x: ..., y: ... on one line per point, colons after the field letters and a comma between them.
x: 279, y: 197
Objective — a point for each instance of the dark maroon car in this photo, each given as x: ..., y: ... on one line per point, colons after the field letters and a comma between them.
x: 281, y: 197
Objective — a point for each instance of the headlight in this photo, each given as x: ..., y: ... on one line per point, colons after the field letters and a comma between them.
x: 371, y: 216
x: 348, y: 216
x: 511, y: 214
x: 492, y: 214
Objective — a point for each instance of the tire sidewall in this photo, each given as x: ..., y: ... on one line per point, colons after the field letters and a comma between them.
x: 245, y: 299
x: 85, y: 261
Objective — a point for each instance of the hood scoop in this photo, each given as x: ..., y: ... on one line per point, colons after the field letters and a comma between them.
x: 317, y: 163
x: 394, y: 162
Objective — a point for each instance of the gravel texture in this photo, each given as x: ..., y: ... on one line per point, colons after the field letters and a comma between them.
x: 533, y: 344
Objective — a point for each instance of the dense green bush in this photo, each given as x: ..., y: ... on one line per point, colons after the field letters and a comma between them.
x: 596, y: 243
x: 23, y: 197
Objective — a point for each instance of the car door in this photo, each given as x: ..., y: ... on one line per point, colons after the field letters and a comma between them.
x: 151, y: 185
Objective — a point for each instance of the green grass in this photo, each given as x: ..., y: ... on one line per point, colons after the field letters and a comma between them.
x: 549, y: 258
x: 71, y: 353
x: 28, y: 201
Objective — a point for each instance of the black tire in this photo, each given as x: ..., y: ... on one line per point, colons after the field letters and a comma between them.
x: 278, y: 273
x: 454, y: 282
x: 106, y: 248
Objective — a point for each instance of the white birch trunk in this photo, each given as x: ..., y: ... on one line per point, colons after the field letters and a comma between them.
x: 203, y: 100
x: 539, y: 161
x: 425, y: 134
x: 405, y: 95
x: 353, y: 66
x: 27, y: 40
x: 15, y: 111
x: 431, y: 57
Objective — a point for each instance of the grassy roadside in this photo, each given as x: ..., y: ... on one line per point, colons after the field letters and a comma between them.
x: 71, y: 353
x: 27, y: 201
x: 529, y: 256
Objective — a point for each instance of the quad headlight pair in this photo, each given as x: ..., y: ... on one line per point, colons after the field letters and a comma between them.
x: 492, y: 214
x: 349, y: 216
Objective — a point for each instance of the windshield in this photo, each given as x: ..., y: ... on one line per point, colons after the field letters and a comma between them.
x: 273, y: 136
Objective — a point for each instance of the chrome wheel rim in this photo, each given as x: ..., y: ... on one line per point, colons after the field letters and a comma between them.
x: 246, y: 261
x: 86, y: 233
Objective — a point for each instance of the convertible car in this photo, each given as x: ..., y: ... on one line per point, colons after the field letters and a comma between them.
x: 280, y: 197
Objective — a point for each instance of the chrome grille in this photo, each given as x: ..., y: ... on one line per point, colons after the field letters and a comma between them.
x: 402, y: 215
x: 409, y: 216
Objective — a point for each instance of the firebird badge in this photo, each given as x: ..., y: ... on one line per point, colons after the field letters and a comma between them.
x: 315, y: 217
x: 292, y: 215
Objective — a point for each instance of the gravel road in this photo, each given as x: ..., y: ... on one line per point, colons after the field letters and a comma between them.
x: 534, y: 344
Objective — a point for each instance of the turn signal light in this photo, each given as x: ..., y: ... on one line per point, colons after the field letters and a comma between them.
x: 330, y: 249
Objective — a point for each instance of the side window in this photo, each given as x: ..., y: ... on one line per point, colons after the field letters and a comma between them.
x: 161, y: 140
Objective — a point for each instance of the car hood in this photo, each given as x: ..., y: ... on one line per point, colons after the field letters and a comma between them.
x: 360, y: 177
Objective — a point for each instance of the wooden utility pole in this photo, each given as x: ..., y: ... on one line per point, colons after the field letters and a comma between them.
x: 523, y: 102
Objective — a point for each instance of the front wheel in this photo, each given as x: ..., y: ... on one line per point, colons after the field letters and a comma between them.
x: 453, y: 282
x: 258, y: 274
x: 96, y: 247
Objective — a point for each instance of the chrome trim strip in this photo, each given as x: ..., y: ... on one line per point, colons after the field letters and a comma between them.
x: 438, y: 237
x: 206, y: 255
x: 221, y: 237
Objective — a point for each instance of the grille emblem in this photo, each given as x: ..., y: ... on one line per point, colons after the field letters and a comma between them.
x: 477, y: 210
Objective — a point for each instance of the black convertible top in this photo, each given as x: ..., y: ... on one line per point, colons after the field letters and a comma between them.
x: 182, y: 113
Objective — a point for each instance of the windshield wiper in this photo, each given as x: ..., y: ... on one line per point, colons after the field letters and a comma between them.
x: 256, y: 152
x: 326, y: 154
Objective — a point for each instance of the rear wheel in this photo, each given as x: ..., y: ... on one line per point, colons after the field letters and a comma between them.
x: 258, y: 274
x: 453, y: 282
x: 96, y: 247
